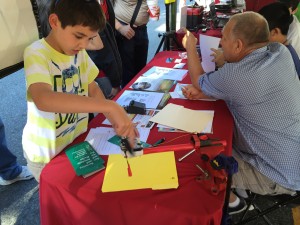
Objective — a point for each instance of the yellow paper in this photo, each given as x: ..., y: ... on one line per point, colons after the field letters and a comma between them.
x: 155, y: 171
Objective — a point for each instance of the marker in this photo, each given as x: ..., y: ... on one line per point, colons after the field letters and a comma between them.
x: 159, y: 142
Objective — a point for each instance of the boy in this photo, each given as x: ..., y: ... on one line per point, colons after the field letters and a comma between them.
x: 60, y: 84
x: 279, y: 19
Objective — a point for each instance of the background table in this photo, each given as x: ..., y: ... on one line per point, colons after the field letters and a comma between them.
x: 68, y: 199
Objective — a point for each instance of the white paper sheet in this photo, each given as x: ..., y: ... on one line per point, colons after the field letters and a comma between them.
x: 166, y: 73
x: 206, y: 43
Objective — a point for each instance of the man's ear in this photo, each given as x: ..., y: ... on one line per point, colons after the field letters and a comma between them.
x: 54, y: 21
x: 238, y: 46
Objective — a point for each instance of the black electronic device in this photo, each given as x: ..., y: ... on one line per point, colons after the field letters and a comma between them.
x: 135, y: 107
x: 218, y: 21
x: 223, y: 7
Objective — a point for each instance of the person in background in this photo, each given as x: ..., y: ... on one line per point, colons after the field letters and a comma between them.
x: 279, y: 19
x: 132, y: 40
x: 61, y: 90
x: 108, y: 59
x: 260, y: 86
x: 293, y: 35
x: 10, y: 170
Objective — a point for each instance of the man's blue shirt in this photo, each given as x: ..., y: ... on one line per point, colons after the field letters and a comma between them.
x: 262, y: 92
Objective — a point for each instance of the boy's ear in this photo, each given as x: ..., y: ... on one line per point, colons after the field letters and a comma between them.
x: 54, y: 21
x: 275, y: 31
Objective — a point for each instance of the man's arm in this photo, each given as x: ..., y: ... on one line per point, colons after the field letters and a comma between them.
x: 193, y: 93
x: 194, y: 66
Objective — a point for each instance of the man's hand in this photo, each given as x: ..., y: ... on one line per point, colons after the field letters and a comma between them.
x: 192, y: 93
x: 126, y: 31
x: 218, y: 57
x: 189, y: 40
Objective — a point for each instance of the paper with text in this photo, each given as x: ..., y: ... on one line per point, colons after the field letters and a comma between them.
x: 151, y: 99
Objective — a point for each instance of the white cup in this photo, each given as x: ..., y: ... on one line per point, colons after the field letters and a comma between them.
x: 152, y: 5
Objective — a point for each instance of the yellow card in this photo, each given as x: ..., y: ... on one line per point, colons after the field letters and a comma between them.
x: 155, y: 171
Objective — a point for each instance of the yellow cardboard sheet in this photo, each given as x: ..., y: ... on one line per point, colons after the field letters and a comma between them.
x: 155, y: 171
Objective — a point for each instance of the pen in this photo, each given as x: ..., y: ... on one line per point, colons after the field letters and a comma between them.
x: 159, y: 142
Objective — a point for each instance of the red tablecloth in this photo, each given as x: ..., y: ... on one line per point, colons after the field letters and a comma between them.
x: 68, y: 199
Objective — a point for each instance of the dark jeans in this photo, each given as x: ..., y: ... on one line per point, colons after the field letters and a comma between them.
x: 133, y: 53
x: 9, y: 168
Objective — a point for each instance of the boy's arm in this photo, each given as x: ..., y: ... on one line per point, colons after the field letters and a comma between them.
x: 47, y: 100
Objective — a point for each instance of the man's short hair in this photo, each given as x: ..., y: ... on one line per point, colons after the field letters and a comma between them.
x: 290, y: 3
x: 87, y: 13
x: 250, y: 27
x: 277, y: 15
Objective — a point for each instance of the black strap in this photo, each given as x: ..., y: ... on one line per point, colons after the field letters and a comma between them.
x: 136, y: 11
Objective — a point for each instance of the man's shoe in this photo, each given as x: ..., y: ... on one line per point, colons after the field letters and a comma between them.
x: 24, y: 175
x: 239, y: 208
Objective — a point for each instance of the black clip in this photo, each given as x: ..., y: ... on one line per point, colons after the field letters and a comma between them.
x: 125, y: 146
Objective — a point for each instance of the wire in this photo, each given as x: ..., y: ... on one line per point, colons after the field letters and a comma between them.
x: 166, y: 142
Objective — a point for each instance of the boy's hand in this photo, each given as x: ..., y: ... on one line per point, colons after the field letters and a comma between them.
x: 122, y: 124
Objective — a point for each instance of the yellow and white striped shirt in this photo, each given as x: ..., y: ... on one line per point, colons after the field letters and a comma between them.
x: 46, y: 134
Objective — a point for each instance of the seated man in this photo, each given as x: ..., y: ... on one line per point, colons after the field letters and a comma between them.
x: 293, y: 35
x: 279, y: 19
x: 261, y: 87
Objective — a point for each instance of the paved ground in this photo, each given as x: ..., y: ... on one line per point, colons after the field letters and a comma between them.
x: 19, y: 203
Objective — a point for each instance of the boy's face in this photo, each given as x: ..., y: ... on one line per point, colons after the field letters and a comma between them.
x: 71, y: 39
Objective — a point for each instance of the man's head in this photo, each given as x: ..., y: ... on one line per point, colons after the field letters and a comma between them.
x: 291, y: 4
x: 244, y: 33
x: 279, y: 18
x: 73, y: 24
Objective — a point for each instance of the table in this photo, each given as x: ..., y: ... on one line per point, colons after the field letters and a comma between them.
x: 68, y: 199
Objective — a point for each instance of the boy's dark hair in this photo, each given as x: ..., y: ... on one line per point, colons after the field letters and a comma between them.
x: 290, y: 3
x: 87, y: 13
x: 277, y: 15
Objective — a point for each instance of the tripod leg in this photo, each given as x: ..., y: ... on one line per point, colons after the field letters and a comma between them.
x: 160, y: 44
x: 176, y: 42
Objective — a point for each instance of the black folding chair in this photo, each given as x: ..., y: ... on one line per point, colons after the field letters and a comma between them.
x: 278, y: 202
